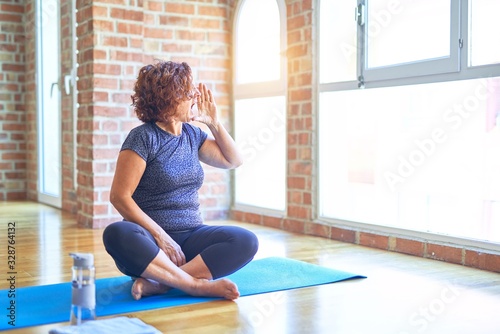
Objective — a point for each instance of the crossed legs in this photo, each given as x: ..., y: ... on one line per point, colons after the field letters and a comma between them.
x: 211, y: 252
x: 161, y: 275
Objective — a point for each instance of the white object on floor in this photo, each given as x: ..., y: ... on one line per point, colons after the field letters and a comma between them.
x: 109, y: 326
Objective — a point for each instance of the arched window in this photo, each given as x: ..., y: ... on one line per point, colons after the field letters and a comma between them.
x: 259, y: 103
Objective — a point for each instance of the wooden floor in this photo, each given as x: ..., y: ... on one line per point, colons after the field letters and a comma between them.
x: 402, y: 294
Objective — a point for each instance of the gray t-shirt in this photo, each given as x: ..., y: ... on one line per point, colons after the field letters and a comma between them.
x: 168, y: 190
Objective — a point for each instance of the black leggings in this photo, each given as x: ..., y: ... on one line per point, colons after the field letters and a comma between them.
x: 224, y: 249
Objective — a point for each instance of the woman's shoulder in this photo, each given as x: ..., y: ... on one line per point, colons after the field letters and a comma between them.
x: 193, y: 131
x: 188, y: 127
x: 143, y: 128
x: 192, y: 128
x: 141, y: 135
x: 146, y: 131
x: 195, y: 134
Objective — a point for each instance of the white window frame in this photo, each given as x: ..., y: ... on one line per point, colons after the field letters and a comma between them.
x: 51, y: 12
x: 266, y: 88
x: 414, y: 74
x: 449, y: 64
x: 262, y: 89
x: 455, y: 67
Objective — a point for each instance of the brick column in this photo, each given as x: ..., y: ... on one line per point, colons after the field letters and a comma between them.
x: 110, y: 44
x: 300, y: 137
x: 12, y: 95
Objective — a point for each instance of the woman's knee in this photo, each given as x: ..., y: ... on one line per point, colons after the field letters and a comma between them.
x: 131, y: 246
x: 246, y: 242
x: 123, y: 235
x: 252, y: 243
x: 114, y: 232
x: 109, y: 233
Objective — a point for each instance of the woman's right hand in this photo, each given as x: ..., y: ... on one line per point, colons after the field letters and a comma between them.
x: 170, y: 247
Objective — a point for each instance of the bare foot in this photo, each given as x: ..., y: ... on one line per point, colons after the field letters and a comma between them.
x: 218, y: 288
x: 143, y: 287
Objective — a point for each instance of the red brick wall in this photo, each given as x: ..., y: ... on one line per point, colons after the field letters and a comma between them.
x: 100, y: 112
x: 300, y: 136
x: 12, y: 108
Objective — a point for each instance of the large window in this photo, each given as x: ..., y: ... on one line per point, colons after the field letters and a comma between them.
x: 420, y: 157
x: 409, y: 116
x: 259, y: 92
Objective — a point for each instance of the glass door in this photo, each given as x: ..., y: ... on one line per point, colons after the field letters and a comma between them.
x: 48, y: 103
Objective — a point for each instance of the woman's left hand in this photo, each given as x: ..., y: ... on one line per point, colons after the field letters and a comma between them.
x: 207, y: 109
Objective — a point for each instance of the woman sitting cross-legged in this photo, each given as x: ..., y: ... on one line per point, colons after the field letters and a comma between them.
x: 162, y: 243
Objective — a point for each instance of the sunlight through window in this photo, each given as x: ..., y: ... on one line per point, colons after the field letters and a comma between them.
x: 258, y: 42
x: 420, y: 157
x: 484, y: 43
x: 260, y: 105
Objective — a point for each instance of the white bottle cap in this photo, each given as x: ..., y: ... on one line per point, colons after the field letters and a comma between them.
x: 82, y: 259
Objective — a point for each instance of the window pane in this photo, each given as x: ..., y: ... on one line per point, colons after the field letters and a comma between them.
x: 420, y: 157
x: 49, y: 129
x: 407, y: 31
x: 338, y: 41
x: 484, y: 42
x: 258, y: 42
x: 260, y: 128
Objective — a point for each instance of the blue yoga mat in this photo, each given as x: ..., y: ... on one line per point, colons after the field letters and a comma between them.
x: 40, y: 305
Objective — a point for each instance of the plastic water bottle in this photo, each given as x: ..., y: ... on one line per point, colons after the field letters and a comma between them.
x: 83, y: 288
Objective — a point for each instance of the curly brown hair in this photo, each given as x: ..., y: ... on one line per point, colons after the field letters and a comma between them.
x: 159, y: 89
